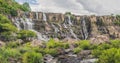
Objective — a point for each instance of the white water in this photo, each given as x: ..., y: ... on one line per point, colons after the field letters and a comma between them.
x: 44, y: 17
x: 70, y: 29
x: 55, y: 28
x: 84, y: 28
x: 65, y: 26
x: 28, y: 25
x: 73, y: 34
x: 69, y: 20
x: 17, y: 23
x: 37, y: 17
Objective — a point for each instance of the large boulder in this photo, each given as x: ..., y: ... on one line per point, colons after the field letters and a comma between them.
x: 36, y: 43
x: 100, y: 39
x: 2, y: 43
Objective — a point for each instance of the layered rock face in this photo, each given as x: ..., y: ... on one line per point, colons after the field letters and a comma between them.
x: 56, y: 25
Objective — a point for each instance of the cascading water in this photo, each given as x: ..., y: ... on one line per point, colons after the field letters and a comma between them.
x: 84, y: 29
x: 69, y: 20
x: 74, y: 35
x: 17, y: 23
x: 28, y: 25
x: 44, y: 17
x: 55, y: 28
x: 65, y: 26
x: 70, y: 28
x: 37, y: 17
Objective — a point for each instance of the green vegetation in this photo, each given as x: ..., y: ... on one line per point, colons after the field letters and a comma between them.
x: 32, y: 57
x: 26, y: 35
x: 7, y: 29
x: 108, y: 53
x: 111, y: 55
x: 117, y: 22
x: 26, y: 53
x: 11, y: 7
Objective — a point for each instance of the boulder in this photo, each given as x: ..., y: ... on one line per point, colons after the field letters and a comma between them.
x: 36, y: 43
x: 2, y: 43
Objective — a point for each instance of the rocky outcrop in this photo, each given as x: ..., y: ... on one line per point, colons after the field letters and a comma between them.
x: 57, y: 25
x: 100, y: 39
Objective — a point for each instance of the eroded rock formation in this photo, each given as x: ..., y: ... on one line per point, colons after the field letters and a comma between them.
x: 56, y: 25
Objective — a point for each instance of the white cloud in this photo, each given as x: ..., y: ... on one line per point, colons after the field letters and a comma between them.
x: 99, y: 7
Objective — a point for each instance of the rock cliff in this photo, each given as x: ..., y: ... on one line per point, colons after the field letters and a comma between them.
x: 57, y: 25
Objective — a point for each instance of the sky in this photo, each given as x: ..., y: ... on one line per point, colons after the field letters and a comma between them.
x: 79, y: 7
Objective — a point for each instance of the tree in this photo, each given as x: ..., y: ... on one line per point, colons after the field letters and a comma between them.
x: 26, y: 7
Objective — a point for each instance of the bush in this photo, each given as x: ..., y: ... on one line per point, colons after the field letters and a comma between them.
x: 26, y: 35
x: 12, y: 44
x: 52, y: 52
x: 100, y: 48
x: 51, y: 44
x: 84, y: 44
x: 77, y: 50
x: 8, y: 36
x: 4, y: 20
x: 110, y: 56
x: 115, y: 43
x: 7, y: 54
x: 32, y: 57
x: 7, y: 29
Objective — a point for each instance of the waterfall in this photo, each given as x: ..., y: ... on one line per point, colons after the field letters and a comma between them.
x: 44, y: 17
x: 17, y: 23
x: 37, y: 16
x: 28, y: 25
x: 84, y: 29
x: 73, y: 34
x: 70, y: 28
x: 69, y: 20
x: 65, y: 26
x: 55, y: 28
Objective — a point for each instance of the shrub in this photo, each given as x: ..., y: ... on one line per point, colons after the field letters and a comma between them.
x: 12, y: 44
x: 77, y: 50
x: 51, y: 44
x: 100, y: 48
x: 84, y: 44
x: 110, y: 56
x: 8, y: 53
x: 32, y: 57
x: 26, y: 35
x: 8, y: 36
x: 52, y: 52
x: 115, y: 43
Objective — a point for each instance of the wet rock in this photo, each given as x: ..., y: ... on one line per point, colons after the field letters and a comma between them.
x: 68, y: 59
x: 88, y: 61
x: 85, y: 54
x: 49, y: 59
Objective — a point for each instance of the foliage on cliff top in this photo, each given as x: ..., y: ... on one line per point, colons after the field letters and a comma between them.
x: 11, y: 7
